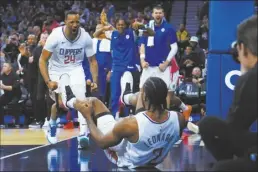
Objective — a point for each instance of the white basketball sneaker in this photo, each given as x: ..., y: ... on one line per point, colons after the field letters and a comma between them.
x: 83, y: 142
x: 51, y: 135
x: 126, y: 83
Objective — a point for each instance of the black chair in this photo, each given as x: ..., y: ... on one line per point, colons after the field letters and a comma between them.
x: 16, y: 107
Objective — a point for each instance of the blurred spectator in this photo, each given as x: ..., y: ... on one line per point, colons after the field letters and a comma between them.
x: 23, y: 25
x: 204, y: 10
x: 2, y: 60
x: 203, y: 33
x: 29, y: 31
x: 187, y: 54
x: 182, y: 38
x: 47, y: 26
x: 111, y: 10
x: 198, y: 53
x: 50, y: 21
x: 130, y: 14
x: 11, y: 49
x: 86, y: 14
x: 76, y: 6
x: 182, y: 34
x: 21, y: 38
x: 147, y: 13
x: 186, y: 63
x: 11, y: 86
x: 40, y: 88
x: 197, y: 76
x: 37, y: 32
x: 140, y: 18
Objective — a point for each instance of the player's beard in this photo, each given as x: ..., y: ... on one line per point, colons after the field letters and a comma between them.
x: 158, y: 20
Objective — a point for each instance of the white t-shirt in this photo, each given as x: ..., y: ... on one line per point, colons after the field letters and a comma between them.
x: 66, y: 54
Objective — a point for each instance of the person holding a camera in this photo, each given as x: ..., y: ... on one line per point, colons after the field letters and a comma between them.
x: 230, y: 138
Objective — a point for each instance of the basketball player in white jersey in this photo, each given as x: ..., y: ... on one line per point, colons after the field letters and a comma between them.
x: 64, y: 52
x: 140, y: 140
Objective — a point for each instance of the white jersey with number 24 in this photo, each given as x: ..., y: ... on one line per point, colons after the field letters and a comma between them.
x: 67, y: 54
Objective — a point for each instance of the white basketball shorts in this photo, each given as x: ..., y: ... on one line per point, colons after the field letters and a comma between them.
x: 77, y: 81
x: 155, y: 72
x: 174, y: 82
x: 106, y: 124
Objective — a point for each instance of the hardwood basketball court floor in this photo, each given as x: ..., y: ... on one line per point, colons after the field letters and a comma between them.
x: 28, y: 149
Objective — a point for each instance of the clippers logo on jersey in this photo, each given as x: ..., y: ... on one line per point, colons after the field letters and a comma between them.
x: 70, y: 54
x: 70, y: 51
x: 67, y: 55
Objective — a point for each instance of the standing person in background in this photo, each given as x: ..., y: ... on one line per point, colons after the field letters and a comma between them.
x: 182, y: 38
x: 203, y: 34
x: 110, y: 10
x: 158, y: 51
x: 37, y: 32
x: 50, y: 21
x: 123, y: 48
x: 11, y: 49
x: 40, y: 88
x: 103, y: 54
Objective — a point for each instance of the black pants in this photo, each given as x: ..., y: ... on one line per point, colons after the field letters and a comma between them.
x: 223, y: 141
x: 4, y: 100
x: 32, y: 88
x: 41, y: 102
x: 241, y: 164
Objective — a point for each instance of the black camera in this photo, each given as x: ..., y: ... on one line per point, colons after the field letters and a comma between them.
x: 234, y: 52
x: 231, y: 51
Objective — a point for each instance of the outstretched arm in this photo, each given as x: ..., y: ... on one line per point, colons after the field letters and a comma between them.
x: 101, y: 29
x: 122, y: 129
x: 146, y: 30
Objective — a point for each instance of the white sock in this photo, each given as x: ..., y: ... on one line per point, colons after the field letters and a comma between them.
x: 183, y: 106
x: 127, y: 98
x: 52, y: 122
x: 84, y: 166
x: 83, y: 125
x: 192, y: 127
x: 71, y: 102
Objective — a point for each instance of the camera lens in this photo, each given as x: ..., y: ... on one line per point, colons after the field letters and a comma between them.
x: 234, y: 52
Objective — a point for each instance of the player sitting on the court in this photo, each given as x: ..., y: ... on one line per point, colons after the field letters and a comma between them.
x: 134, y: 141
